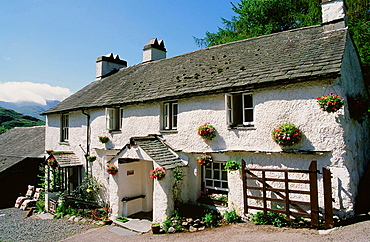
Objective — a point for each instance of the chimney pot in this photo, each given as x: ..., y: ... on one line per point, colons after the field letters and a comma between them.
x: 154, y: 50
x: 108, y: 64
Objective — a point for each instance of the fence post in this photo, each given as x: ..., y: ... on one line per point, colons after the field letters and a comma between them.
x: 244, y: 178
x: 314, y: 194
x: 264, y: 191
x: 328, y: 199
x: 287, y: 202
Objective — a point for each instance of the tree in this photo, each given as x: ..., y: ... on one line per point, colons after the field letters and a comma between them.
x: 261, y: 17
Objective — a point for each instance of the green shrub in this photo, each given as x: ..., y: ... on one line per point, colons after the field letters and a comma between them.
x: 231, y: 217
x: 275, y: 219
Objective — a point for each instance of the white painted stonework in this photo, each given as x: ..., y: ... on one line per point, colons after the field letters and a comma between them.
x: 342, y: 144
x: 333, y: 10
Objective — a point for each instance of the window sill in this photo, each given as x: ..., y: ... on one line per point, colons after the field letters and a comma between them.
x: 209, y: 201
x: 168, y: 131
x: 241, y: 127
x: 115, y: 131
x: 64, y: 143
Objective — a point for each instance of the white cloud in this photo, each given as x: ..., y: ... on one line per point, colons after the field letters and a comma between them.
x: 16, y: 92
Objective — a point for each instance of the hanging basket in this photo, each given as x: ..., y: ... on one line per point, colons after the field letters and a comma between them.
x: 287, y: 134
x: 205, y: 160
x: 157, y: 173
x: 207, y: 131
x: 330, y: 103
x: 103, y: 139
x: 112, y: 169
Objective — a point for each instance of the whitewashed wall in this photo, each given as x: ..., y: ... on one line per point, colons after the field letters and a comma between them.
x: 340, y: 138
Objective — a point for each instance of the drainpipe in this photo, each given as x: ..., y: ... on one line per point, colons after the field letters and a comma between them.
x: 87, y: 153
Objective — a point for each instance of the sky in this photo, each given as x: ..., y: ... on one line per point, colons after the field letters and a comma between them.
x: 48, y: 48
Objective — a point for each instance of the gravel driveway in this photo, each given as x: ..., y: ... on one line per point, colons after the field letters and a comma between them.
x: 14, y: 227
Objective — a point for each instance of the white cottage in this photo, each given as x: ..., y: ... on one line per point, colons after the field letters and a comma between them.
x: 151, y: 111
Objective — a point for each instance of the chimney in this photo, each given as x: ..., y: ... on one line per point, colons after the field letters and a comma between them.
x: 334, y: 14
x: 154, y: 50
x: 108, y: 64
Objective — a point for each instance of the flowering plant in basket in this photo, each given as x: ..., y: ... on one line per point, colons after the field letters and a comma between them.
x: 52, y: 161
x: 205, y: 159
x: 103, y: 139
x: 358, y: 107
x: 112, y: 169
x: 330, y: 103
x: 287, y: 134
x: 157, y: 173
x: 207, y: 131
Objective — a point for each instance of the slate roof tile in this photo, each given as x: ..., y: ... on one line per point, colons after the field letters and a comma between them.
x: 291, y: 55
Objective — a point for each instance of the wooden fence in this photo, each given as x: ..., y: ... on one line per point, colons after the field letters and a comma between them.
x: 281, y: 187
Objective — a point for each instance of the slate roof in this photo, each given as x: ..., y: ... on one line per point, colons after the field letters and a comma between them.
x: 158, y: 151
x: 20, y: 143
x: 295, y: 55
x: 66, y: 158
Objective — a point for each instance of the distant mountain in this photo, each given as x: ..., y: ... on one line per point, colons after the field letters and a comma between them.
x: 29, y: 108
x: 10, y: 119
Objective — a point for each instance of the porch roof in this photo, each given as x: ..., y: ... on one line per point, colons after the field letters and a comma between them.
x: 66, y: 158
x: 161, y: 153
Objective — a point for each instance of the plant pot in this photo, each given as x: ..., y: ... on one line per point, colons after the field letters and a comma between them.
x: 107, y: 221
x: 156, y: 229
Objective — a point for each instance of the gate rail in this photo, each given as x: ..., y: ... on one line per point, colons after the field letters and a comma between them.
x: 284, y: 193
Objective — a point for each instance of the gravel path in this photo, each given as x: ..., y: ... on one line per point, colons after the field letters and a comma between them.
x: 15, y: 227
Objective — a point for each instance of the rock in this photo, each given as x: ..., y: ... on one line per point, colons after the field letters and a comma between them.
x: 192, y: 229
x: 185, y: 224
x: 202, y: 228
x: 76, y: 219
x: 71, y: 218
x: 84, y: 221
x: 189, y: 220
x: 171, y: 230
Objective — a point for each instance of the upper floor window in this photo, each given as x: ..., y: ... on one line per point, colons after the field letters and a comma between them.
x: 64, y: 127
x: 240, y: 109
x: 170, y: 111
x: 114, y: 116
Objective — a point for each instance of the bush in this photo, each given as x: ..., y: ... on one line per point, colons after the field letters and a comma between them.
x: 232, y: 217
x: 275, y: 219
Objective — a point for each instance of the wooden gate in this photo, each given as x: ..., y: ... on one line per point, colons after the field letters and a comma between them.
x: 281, y: 185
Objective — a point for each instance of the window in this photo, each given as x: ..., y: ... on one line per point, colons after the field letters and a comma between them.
x: 113, y: 116
x: 170, y: 111
x: 215, y: 177
x: 239, y: 108
x: 64, y: 128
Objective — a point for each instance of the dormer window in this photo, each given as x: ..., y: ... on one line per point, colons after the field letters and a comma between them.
x: 170, y: 111
x: 113, y: 116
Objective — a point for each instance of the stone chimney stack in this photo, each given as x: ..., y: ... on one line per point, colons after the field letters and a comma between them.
x: 334, y: 14
x: 154, y: 50
x: 108, y: 64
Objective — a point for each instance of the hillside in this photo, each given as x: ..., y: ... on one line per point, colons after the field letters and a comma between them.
x: 29, y: 108
x: 10, y: 119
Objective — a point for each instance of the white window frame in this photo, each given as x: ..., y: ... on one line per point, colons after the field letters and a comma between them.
x: 230, y: 109
x: 64, y: 127
x: 170, y: 114
x: 214, y: 179
x: 113, y: 119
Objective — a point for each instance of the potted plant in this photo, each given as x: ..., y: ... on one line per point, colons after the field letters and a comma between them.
x: 207, y: 131
x: 157, y: 173
x: 205, y: 159
x: 233, y: 165
x: 330, y: 103
x: 286, y: 134
x: 103, y: 139
x: 91, y: 158
x: 112, y: 169
x: 156, y: 228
